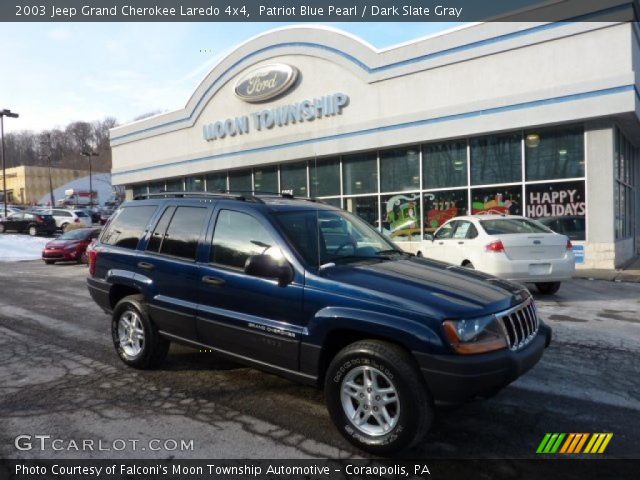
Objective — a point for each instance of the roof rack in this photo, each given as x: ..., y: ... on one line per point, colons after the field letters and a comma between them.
x: 242, y: 195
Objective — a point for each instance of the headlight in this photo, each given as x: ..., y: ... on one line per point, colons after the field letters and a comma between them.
x: 478, y: 335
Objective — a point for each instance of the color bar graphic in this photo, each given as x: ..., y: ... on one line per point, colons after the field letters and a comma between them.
x: 553, y: 443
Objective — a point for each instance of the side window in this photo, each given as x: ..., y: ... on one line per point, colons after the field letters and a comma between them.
x: 446, y: 231
x: 183, y: 233
x: 95, y: 234
x: 127, y: 228
x: 155, y: 242
x: 237, y: 236
x: 65, y: 214
x: 465, y: 230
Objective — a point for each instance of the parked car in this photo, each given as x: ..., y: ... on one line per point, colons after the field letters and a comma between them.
x: 507, y: 246
x: 10, y: 210
x: 64, y: 217
x: 105, y: 214
x: 28, y: 222
x: 70, y: 246
x: 313, y: 293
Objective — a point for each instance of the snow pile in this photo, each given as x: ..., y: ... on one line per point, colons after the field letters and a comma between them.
x: 14, y: 247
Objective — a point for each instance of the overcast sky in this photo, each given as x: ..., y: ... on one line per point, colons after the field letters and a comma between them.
x: 53, y: 74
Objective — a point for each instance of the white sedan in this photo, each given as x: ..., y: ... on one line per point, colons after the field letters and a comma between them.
x: 507, y: 246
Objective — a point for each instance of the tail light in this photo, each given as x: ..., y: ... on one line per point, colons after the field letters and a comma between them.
x: 496, y: 246
x: 569, y: 245
x: 77, y: 220
x: 39, y: 219
x: 92, y: 258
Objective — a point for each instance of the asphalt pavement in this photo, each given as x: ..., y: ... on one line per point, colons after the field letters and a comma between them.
x: 60, y: 377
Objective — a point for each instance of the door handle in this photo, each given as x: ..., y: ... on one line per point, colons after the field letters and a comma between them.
x: 215, y: 281
x: 146, y: 265
x: 440, y: 243
x: 460, y: 243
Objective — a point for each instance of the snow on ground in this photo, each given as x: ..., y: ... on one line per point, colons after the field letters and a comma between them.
x: 14, y: 247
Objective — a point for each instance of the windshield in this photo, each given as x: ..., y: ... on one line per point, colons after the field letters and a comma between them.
x: 340, y: 237
x: 75, y: 235
x: 505, y: 226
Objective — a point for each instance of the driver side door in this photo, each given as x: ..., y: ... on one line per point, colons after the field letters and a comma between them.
x: 249, y: 316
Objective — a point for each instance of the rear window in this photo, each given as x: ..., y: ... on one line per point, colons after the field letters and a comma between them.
x: 506, y: 226
x: 81, y: 214
x: 128, y: 227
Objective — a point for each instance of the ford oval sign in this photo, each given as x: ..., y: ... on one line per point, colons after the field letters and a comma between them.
x: 266, y: 82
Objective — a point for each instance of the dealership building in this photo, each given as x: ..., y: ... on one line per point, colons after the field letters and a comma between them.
x: 538, y: 119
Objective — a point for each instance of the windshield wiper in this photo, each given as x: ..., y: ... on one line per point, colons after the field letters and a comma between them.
x: 359, y: 257
x: 390, y: 251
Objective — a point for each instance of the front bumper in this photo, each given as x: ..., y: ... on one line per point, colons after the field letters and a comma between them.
x: 457, y: 378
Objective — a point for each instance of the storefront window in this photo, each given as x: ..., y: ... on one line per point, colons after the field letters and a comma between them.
x: 175, y: 185
x: 240, y: 181
x: 625, y: 159
x: 194, y: 184
x: 444, y: 164
x: 401, y: 216
x: 324, y: 175
x: 365, y: 207
x: 335, y: 202
x: 400, y: 169
x: 497, y: 200
x: 217, y: 182
x: 156, y: 187
x: 559, y: 206
x: 442, y: 206
x: 265, y: 179
x: 360, y: 173
x: 554, y: 153
x: 294, y: 177
x: 139, y: 189
x: 496, y: 159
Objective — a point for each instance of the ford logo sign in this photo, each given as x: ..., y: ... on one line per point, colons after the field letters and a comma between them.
x: 265, y: 82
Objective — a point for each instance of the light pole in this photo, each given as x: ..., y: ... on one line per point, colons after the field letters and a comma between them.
x: 10, y: 114
x: 46, y: 144
x: 89, y: 154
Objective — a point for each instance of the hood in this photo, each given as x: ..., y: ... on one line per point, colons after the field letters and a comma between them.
x: 429, y: 286
x: 61, y: 243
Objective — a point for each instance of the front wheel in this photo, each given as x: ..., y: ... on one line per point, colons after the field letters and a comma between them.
x: 135, y: 337
x: 33, y: 231
x: 2, y: 228
x: 548, y: 288
x: 377, y: 398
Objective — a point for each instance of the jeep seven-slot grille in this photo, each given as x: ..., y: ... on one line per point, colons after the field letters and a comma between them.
x: 520, y: 324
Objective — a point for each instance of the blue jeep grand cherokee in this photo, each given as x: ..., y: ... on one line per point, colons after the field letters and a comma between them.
x: 313, y: 293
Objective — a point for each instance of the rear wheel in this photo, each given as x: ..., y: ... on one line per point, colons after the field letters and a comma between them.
x: 548, y: 288
x: 135, y: 337
x: 83, y: 258
x: 64, y: 226
x: 49, y: 262
x: 33, y: 231
x: 2, y: 228
x: 377, y: 398
x: 468, y: 265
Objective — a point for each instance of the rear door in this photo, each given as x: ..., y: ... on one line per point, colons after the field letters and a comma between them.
x: 168, y: 266
x: 253, y: 317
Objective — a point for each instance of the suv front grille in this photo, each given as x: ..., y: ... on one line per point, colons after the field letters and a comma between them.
x: 520, y: 324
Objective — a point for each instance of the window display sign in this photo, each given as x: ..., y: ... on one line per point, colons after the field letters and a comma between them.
x: 402, y: 216
x: 559, y: 206
x: 498, y: 200
x: 442, y: 206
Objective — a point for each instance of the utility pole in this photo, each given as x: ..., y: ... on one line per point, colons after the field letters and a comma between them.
x: 10, y: 114
x: 90, y: 153
x: 47, y: 153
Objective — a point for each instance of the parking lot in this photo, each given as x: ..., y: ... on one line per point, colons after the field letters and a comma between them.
x: 61, y: 377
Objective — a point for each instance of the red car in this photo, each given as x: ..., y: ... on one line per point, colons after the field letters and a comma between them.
x: 70, y: 246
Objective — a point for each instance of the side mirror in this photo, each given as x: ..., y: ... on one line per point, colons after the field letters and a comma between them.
x: 428, y: 236
x: 268, y: 267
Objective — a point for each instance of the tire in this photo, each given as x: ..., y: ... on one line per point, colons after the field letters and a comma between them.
x: 548, y: 288
x: 33, y: 231
x: 468, y: 265
x: 419, y: 255
x: 83, y: 259
x: 2, y: 228
x: 63, y: 227
x: 410, y: 415
x: 49, y: 262
x: 146, y: 352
